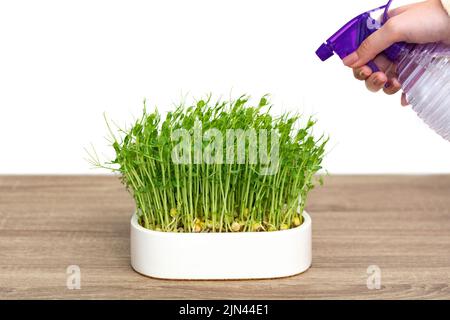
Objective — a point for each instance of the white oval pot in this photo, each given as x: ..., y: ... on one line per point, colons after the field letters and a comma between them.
x: 214, y: 256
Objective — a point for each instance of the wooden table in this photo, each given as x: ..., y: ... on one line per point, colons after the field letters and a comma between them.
x: 401, y: 224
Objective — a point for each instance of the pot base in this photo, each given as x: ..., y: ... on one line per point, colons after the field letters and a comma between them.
x: 221, y: 256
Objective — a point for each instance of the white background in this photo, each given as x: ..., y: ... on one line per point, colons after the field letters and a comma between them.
x: 64, y: 63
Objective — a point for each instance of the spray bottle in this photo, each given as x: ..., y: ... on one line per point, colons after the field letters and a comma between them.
x: 423, y: 69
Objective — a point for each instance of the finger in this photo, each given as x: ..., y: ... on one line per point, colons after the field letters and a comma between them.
x: 397, y: 11
x: 383, y: 63
x: 391, y: 72
x: 376, y: 81
x: 373, y: 45
x: 404, y: 101
x: 362, y: 73
x: 392, y: 86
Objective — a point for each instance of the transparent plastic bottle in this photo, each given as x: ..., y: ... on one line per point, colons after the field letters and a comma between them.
x: 424, y: 73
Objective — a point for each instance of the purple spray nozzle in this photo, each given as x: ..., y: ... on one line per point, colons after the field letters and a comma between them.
x: 348, y: 38
x: 325, y: 51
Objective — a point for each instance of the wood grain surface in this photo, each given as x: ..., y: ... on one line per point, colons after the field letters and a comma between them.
x: 399, y: 223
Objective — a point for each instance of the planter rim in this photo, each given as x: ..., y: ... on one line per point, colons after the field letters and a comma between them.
x: 135, y: 224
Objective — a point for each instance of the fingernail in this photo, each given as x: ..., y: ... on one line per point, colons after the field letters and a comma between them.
x: 350, y: 59
x: 362, y: 74
x: 377, y: 82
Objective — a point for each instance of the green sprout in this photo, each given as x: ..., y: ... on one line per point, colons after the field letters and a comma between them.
x: 218, y: 166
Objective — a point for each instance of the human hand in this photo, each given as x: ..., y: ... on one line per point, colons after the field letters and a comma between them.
x: 422, y: 22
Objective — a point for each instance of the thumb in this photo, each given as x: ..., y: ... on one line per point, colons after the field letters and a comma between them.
x: 373, y: 45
